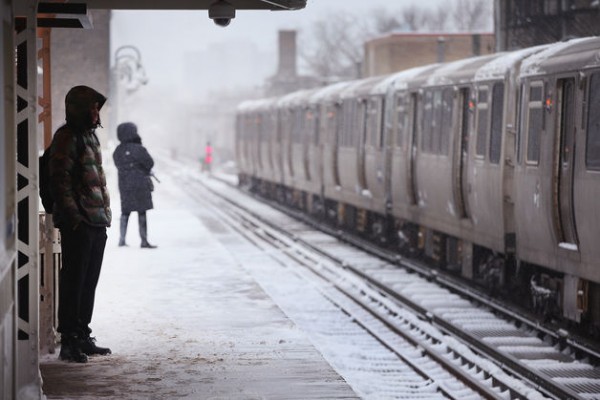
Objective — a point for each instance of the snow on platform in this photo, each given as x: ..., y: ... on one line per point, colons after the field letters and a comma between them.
x: 187, y: 320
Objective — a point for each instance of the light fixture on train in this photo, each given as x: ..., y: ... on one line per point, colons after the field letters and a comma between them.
x: 548, y: 104
x: 471, y: 105
x: 221, y: 12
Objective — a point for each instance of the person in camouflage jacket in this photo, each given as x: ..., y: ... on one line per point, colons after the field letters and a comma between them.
x: 82, y: 213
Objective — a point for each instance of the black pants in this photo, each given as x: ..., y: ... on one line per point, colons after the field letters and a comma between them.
x: 82, y: 253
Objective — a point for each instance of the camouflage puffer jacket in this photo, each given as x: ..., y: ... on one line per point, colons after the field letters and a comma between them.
x: 77, y: 180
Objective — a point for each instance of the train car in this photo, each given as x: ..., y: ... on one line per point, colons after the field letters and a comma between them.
x: 439, y: 160
x: 293, y: 131
x: 557, y: 174
x: 245, y: 126
x: 329, y: 103
x: 401, y: 126
x: 265, y: 144
x: 488, y: 166
x: 257, y: 142
x: 362, y: 112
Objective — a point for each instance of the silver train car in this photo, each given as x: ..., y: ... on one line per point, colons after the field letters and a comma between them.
x: 489, y: 167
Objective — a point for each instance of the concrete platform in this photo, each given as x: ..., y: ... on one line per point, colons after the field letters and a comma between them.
x: 187, y: 320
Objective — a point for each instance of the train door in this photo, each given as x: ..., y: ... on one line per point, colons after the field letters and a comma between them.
x: 461, y: 147
x: 261, y: 140
x: 412, y: 159
x: 314, y: 160
x: 288, y: 119
x: 564, y: 163
x: 373, y: 163
x: 361, y: 129
x: 308, y: 136
x: 278, y: 151
x: 337, y: 129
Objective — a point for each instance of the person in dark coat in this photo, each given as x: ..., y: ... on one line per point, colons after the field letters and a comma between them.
x: 81, y: 212
x: 134, y: 164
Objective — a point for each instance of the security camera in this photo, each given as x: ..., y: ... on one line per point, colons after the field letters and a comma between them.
x: 221, y: 12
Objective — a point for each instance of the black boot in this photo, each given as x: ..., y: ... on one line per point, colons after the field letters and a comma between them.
x: 89, y: 347
x: 70, y: 349
x: 144, y: 231
x: 124, y: 222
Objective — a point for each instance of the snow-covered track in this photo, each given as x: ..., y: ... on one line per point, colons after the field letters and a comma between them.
x: 498, y: 347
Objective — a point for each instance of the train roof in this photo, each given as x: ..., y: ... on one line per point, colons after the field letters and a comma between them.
x: 575, y: 54
x: 362, y: 87
x: 254, y: 105
x: 500, y: 66
x: 296, y: 98
x: 460, y: 71
x: 330, y: 93
x: 404, y: 80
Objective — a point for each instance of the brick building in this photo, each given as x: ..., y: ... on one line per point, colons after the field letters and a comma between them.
x: 399, y: 51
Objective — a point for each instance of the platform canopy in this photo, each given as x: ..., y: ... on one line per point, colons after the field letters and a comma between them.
x: 273, y: 5
x: 76, y: 14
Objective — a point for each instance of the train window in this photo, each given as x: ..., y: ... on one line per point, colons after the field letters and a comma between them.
x: 373, y: 122
x: 592, y: 151
x: 436, y: 122
x: 535, y: 93
x: 300, y: 121
x: 358, y: 124
x: 346, y: 124
x: 311, y: 130
x: 399, y: 118
x: 482, y: 120
x: 446, y: 123
x: 261, y: 128
x: 497, y: 116
x: 535, y: 121
x: 285, y: 125
x: 329, y: 124
x: 298, y: 125
x: 520, y: 128
x: 427, y: 117
x: 290, y: 122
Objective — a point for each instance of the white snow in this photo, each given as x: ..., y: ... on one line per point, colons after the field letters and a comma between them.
x: 187, y: 320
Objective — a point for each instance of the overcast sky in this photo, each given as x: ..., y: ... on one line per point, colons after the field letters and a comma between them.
x: 164, y: 38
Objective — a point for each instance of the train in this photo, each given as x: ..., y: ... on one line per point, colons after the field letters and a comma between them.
x: 489, y: 167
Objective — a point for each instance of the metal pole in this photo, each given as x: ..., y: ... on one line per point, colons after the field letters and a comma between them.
x: 28, y: 373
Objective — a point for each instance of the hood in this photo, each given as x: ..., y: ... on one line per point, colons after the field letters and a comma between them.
x: 127, y: 133
x: 77, y: 105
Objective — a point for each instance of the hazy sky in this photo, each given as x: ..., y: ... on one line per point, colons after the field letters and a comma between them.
x: 165, y: 37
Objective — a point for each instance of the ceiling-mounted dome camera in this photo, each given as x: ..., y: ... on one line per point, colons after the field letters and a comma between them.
x: 221, y: 12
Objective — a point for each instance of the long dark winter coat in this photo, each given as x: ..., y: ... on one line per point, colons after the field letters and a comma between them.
x: 77, y: 180
x: 134, y: 165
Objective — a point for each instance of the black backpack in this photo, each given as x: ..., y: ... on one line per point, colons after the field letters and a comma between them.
x: 44, y: 174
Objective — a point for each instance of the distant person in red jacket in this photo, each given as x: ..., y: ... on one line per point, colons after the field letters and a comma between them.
x: 208, y: 151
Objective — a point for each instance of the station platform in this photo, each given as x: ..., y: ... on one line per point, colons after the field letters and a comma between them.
x: 188, y: 320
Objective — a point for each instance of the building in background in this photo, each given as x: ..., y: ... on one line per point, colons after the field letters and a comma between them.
x: 287, y: 79
x: 399, y: 51
x: 526, y: 23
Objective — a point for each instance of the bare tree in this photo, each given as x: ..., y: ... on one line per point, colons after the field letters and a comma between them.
x: 471, y: 15
x: 437, y: 20
x: 413, y: 17
x: 384, y: 21
x: 336, y: 51
x: 333, y: 48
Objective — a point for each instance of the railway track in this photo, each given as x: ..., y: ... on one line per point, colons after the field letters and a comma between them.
x: 483, y: 351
